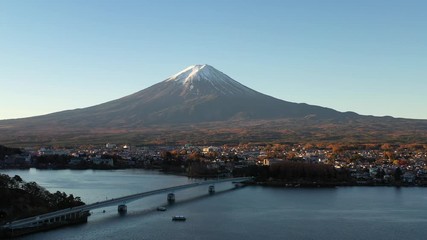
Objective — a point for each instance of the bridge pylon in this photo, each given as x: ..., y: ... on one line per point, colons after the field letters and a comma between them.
x: 171, y: 197
x: 122, y: 209
x: 211, y: 189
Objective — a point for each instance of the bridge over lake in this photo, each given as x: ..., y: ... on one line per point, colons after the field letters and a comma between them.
x: 81, y: 213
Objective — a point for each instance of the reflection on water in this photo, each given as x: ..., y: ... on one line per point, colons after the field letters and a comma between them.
x: 246, y: 213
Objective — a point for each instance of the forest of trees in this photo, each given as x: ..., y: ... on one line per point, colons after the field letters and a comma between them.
x: 20, y: 199
x: 295, y: 172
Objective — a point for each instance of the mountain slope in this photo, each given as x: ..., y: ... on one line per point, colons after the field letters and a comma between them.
x: 197, y: 94
x: 201, y: 93
x: 195, y: 100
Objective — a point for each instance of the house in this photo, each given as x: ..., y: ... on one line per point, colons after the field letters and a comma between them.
x: 408, y: 177
x: 103, y: 161
x: 110, y: 145
x: 75, y: 161
x: 210, y: 149
x: 270, y: 161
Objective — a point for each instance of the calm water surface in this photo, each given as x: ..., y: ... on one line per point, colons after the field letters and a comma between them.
x: 247, y: 213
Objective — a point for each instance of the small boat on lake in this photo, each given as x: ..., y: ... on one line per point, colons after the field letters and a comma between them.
x: 162, y: 209
x: 178, y: 218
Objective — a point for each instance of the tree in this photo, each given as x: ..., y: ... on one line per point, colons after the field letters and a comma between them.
x: 166, y: 155
x: 398, y: 174
x: 336, y: 148
x: 386, y: 147
x: 380, y: 174
x: 17, y: 178
x: 194, y: 156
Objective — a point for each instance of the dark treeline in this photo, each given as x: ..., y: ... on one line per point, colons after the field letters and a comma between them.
x: 295, y: 172
x: 20, y: 199
x: 62, y: 161
x: 172, y: 162
x: 57, y: 160
x: 289, y: 170
x: 8, y: 151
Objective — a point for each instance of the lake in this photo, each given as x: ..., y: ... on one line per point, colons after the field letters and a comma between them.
x: 251, y: 212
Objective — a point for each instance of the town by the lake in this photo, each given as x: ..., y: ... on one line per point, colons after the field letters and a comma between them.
x: 288, y: 165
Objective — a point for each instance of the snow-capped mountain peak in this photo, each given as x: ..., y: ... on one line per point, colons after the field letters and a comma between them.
x: 202, y: 79
x: 197, y: 73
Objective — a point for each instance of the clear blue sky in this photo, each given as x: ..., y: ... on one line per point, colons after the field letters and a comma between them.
x: 366, y: 56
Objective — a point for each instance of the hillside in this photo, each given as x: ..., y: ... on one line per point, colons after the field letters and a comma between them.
x: 369, y: 130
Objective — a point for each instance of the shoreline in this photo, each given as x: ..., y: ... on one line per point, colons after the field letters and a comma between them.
x: 280, y: 184
x: 273, y: 183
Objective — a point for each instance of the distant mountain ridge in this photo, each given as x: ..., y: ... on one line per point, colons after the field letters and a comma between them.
x: 196, y: 95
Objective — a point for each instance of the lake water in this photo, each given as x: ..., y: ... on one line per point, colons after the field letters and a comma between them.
x: 246, y: 213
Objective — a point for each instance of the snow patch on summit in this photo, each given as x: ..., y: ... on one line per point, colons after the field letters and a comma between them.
x: 197, y: 73
x: 196, y: 76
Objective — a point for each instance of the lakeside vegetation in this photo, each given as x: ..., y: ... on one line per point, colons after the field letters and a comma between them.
x: 296, y: 172
x: 4, y: 151
x: 20, y: 199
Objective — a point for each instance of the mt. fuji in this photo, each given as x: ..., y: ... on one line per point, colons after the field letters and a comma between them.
x: 197, y: 95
